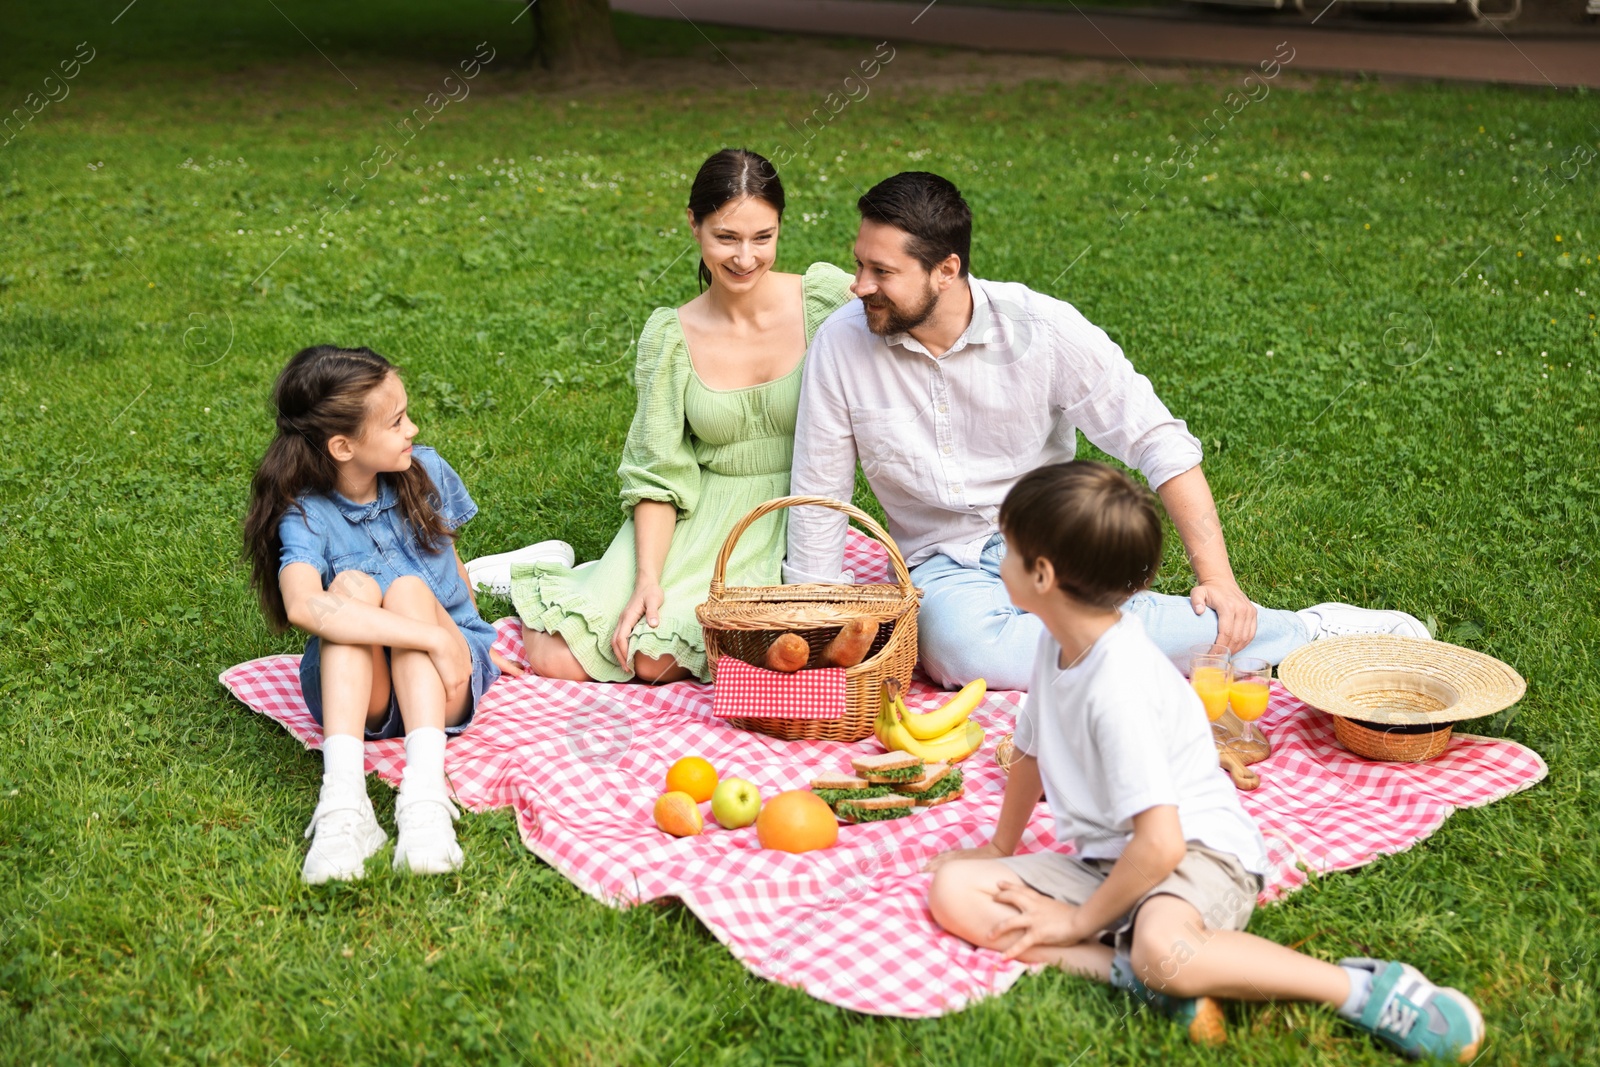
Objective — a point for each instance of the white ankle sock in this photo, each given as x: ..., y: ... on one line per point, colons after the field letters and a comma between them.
x: 1360, y: 988
x: 343, y: 763
x: 425, y: 762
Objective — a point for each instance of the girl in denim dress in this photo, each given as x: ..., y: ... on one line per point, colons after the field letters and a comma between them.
x: 351, y: 537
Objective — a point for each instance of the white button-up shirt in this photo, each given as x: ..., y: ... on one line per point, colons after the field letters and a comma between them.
x: 941, y: 439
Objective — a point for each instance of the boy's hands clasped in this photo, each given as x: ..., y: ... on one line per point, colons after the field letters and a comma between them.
x: 1041, y: 920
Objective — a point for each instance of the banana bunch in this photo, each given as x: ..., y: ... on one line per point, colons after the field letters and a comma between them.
x: 942, y: 736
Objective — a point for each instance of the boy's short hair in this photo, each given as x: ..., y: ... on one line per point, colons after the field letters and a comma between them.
x: 1099, y: 530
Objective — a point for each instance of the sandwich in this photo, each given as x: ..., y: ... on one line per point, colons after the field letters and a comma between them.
x: 875, y: 809
x: 940, y: 783
x: 833, y: 788
x: 889, y: 768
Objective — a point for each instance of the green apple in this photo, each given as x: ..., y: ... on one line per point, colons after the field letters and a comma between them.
x: 735, y: 803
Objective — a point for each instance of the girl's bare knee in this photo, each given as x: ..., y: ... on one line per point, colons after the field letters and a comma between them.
x: 357, y: 585
x: 409, y: 591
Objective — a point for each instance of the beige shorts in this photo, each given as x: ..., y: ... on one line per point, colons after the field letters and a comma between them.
x: 1214, y: 883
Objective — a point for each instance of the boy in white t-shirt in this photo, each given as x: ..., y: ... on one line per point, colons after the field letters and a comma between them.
x: 1167, y: 864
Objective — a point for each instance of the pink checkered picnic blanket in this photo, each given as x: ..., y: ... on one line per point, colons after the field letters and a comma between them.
x: 582, y: 765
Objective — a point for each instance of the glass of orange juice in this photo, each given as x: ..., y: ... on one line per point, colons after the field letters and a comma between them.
x: 1249, y: 690
x: 1210, y: 673
x: 1250, y: 687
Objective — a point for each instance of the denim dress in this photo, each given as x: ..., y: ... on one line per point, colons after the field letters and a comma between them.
x: 335, y: 535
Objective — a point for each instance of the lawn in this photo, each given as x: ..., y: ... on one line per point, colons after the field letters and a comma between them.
x: 1370, y: 300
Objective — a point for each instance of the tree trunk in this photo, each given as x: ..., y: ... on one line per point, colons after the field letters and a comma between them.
x: 573, y: 34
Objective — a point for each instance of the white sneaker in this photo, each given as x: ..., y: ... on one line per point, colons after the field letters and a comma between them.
x: 1338, y: 620
x: 344, y: 833
x: 425, y: 840
x: 494, y: 572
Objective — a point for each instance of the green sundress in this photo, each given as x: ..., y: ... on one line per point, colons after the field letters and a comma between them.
x: 714, y: 454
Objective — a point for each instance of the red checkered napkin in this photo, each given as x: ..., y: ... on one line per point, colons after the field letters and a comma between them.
x: 744, y: 691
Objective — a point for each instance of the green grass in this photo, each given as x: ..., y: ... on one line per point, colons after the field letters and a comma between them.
x: 150, y: 826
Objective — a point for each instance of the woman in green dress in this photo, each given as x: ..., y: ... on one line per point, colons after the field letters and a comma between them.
x: 713, y: 436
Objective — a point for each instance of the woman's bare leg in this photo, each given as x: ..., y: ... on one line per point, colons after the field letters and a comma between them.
x: 658, y: 670
x: 549, y: 657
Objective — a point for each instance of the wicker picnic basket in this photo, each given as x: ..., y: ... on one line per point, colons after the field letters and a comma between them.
x: 742, y: 621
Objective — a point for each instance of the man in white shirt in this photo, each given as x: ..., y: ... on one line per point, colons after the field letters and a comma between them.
x: 948, y: 389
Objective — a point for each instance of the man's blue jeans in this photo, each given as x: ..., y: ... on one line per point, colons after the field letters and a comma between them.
x: 968, y: 628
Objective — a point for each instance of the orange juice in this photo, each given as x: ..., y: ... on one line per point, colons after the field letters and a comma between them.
x: 1249, y: 698
x: 1212, y: 685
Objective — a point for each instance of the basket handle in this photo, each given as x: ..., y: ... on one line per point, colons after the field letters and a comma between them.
x: 902, y: 574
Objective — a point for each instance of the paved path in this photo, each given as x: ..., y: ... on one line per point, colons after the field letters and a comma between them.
x: 1493, y: 57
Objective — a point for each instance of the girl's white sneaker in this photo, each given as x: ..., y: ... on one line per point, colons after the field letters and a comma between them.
x: 344, y: 833
x: 425, y: 840
x: 494, y: 572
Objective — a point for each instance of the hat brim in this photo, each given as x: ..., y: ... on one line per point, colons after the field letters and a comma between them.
x: 1399, y: 681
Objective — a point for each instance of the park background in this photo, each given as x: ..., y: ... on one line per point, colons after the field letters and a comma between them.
x: 1371, y: 299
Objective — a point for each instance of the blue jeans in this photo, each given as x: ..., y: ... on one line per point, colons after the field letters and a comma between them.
x: 968, y: 628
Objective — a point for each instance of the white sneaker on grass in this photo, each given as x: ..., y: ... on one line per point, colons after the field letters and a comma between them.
x: 344, y: 833
x: 425, y: 839
x: 494, y: 572
x: 1339, y: 620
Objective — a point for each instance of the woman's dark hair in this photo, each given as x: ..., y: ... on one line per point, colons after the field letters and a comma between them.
x: 322, y: 393
x: 930, y: 210
x: 1099, y: 530
x: 729, y: 175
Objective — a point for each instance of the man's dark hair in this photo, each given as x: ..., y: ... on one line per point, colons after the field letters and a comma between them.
x: 1099, y: 530
x: 930, y: 210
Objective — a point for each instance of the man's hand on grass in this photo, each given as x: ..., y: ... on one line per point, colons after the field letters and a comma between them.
x: 1236, y: 615
x: 1040, y: 920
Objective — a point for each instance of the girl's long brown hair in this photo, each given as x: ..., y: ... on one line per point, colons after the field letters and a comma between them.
x: 322, y: 393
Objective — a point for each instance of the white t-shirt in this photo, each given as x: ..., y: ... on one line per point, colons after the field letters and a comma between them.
x: 1123, y: 732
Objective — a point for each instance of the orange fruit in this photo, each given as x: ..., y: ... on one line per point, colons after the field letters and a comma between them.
x: 678, y: 814
x: 694, y: 776
x: 797, y: 821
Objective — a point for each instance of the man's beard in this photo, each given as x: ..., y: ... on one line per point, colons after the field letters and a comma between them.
x: 902, y: 321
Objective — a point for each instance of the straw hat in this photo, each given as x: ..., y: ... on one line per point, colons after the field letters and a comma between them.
x: 1390, y: 680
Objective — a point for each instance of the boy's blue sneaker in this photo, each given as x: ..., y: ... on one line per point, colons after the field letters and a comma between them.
x: 1416, y: 1017
x: 1201, y: 1017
